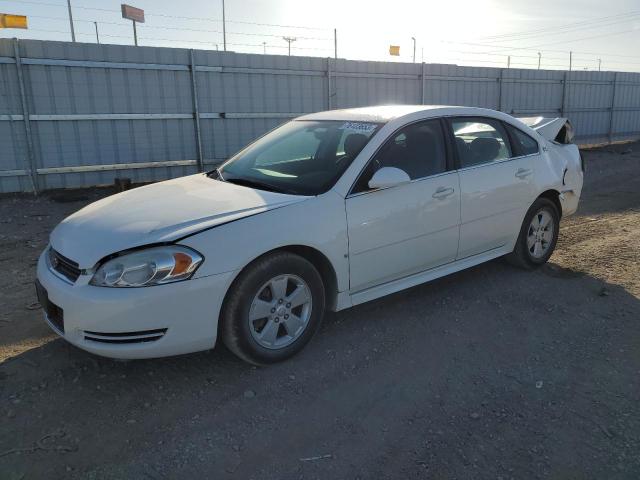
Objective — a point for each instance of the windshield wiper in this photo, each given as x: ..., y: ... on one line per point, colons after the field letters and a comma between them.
x: 254, y: 184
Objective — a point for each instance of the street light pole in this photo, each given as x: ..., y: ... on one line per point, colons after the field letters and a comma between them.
x: 414, y: 49
x: 73, y: 33
x: 570, y: 61
x: 264, y: 48
x: 224, y: 29
x: 599, y: 63
x: 289, y: 40
x: 335, y: 43
x: 539, y: 58
x: 97, y: 36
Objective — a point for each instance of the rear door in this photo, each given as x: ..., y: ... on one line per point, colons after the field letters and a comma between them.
x: 496, y: 184
x: 401, y: 230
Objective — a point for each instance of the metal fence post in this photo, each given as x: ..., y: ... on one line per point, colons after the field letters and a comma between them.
x: 328, y: 83
x: 613, y: 105
x: 25, y: 116
x: 196, y: 112
x: 422, y: 85
x: 499, y: 80
x: 564, y: 93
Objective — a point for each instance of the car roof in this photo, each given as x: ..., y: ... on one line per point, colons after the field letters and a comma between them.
x: 386, y: 113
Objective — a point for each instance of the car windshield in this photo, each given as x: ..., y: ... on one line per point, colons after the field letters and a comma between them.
x: 303, y: 157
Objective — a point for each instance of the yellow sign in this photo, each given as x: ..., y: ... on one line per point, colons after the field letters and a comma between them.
x: 12, y: 21
x: 394, y: 50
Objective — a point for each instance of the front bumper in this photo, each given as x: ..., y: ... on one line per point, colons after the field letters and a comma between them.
x: 127, y: 323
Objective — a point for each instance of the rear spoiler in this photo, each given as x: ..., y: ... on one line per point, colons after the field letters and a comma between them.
x: 558, y: 129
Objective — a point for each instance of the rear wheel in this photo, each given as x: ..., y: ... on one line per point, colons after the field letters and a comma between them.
x: 538, y: 235
x: 273, y: 308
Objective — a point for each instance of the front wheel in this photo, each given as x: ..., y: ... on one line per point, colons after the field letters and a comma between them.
x: 538, y: 235
x: 273, y: 308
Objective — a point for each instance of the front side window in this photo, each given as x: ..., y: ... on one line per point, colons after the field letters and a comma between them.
x: 523, y: 144
x: 303, y: 157
x: 418, y: 149
x: 480, y: 140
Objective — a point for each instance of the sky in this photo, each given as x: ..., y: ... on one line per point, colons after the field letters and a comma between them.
x: 463, y: 32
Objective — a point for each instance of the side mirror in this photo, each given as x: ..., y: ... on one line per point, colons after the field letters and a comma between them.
x: 388, y: 177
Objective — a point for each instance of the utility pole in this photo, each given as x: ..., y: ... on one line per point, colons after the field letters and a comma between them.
x: 570, y: 60
x: 414, y: 49
x: 599, y: 63
x: 73, y: 32
x: 97, y: 36
x: 264, y: 48
x: 509, y: 61
x: 539, y: 58
x: 224, y: 29
x: 289, y: 40
x: 422, y: 54
x: 335, y: 43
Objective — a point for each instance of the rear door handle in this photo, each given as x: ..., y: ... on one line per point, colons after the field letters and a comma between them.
x: 523, y: 172
x: 443, y: 192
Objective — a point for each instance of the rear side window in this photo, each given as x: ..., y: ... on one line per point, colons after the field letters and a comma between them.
x: 523, y: 144
x: 480, y: 140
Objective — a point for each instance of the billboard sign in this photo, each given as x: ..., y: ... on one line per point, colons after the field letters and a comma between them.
x: 132, y: 13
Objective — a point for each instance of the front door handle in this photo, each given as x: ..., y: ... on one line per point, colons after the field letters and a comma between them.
x: 523, y: 172
x: 443, y: 192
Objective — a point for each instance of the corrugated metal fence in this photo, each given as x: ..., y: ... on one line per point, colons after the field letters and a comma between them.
x: 76, y: 115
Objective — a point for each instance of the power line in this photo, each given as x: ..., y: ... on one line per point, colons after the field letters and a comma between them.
x: 207, y: 19
x: 161, y: 27
x: 566, y: 32
x: 506, y: 48
x: 493, y: 46
x: 575, y: 25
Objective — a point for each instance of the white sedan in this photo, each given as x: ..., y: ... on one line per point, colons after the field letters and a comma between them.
x: 327, y: 211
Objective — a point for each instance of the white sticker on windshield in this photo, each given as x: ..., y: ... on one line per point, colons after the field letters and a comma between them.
x: 361, y: 127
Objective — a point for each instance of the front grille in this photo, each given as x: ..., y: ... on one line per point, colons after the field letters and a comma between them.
x: 125, y: 337
x: 64, y: 266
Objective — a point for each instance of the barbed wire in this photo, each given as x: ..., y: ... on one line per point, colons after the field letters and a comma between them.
x: 488, y: 46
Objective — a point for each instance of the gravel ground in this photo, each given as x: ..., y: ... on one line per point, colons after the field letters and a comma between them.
x: 492, y: 372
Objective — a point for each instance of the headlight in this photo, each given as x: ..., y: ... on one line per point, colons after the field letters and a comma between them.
x: 152, y: 266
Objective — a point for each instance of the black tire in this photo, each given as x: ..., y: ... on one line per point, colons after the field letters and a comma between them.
x: 521, y: 256
x: 235, y: 329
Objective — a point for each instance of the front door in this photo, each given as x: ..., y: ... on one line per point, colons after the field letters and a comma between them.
x: 408, y: 228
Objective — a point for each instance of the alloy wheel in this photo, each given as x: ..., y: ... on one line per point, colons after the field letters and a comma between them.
x: 280, y: 311
x: 540, y: 234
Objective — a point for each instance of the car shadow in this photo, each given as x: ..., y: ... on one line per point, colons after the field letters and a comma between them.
x: 474, y: 341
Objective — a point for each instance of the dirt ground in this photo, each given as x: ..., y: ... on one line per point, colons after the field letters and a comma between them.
x: 493, y: 372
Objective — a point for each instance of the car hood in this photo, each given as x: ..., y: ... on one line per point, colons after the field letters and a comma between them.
x: 161, y: 212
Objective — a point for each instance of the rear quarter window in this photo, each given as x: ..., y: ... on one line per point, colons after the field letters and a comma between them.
x: 523, y: 144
